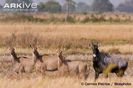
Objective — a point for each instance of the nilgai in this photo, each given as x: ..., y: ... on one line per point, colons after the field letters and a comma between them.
x: 38, y: 60
x: 47, y: 63
x: 20, y: 64
x: 77, y: 68
x: 105, y: 63
x: 62, y: 64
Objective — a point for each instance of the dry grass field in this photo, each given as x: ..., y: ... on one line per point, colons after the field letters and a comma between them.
x: 63, y: 82
x: 68, y: 36
x: 72, y: 39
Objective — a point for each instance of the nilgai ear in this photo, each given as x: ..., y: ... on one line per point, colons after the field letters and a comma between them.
x: 31, y: 46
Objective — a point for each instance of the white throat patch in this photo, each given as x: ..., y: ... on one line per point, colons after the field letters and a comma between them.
x: 94, y: 55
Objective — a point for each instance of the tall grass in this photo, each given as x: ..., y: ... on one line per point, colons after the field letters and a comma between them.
x: 66, y: 36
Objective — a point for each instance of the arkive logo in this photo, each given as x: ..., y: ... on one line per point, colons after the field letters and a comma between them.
x: 20, y: 6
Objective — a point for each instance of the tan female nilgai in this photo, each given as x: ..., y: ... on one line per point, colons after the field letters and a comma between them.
x: 20, y: 64
x: 44, y: 63
x: 62, y: 64
x: 38, y: 60
x: 77, y: 68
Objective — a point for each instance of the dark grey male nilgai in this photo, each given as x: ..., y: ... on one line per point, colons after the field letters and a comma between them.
x: 105, y: 63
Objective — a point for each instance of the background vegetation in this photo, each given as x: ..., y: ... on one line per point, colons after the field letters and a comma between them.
x: 76, y: 38
x: 71, y: 6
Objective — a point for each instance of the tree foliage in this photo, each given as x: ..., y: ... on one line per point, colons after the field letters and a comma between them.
x: 127, y: 6
x: 69, y: 6
x: 82, y: 7
x: 41, y: 6
x: 1, y: 6
x: 18, y: 1
x: 102, y: 6
x: 50, y: 6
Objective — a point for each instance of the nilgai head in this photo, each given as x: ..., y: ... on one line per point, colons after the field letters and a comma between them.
x: 11, y: 50
x: 94, y: 46
x: 62, y: 63
x: 60, y: 56
x: 13, y: 54
x: 36, y: 54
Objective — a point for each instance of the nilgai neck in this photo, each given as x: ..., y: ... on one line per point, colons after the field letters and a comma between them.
x: 96, y: 54
x: 62, y: 58
x: 14, y: 55
x: 36, y: 55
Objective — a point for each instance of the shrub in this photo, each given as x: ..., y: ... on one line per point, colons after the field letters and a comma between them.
x: 70, y: 19
x: 86, y: 20
x: 21, y: 40
x: 114, y: 51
